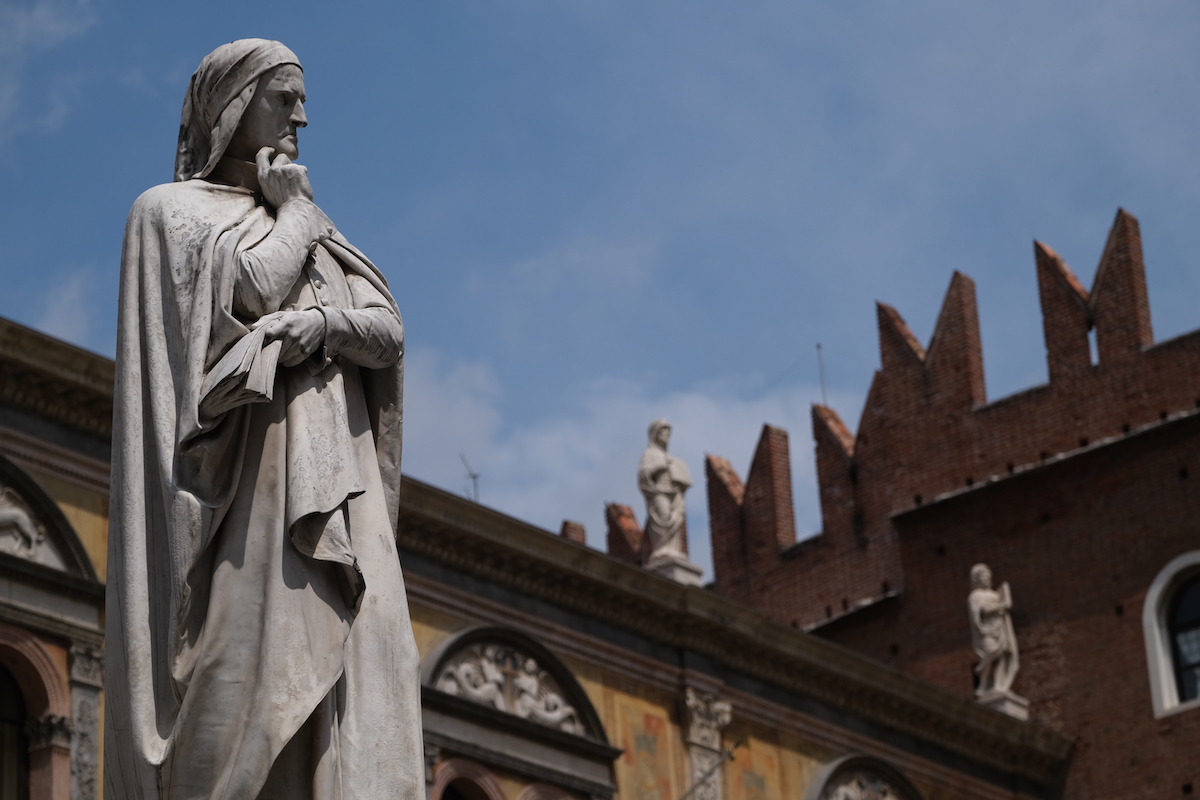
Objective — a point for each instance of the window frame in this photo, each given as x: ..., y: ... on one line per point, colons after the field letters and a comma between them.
x: 1156, y: 629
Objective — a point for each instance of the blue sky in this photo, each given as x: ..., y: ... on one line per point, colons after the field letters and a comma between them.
x: 598, y: 212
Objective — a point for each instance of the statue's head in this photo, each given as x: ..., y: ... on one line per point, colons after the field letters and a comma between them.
x: 660, y: 433
x: 981, y: 577
x: 245, y: 93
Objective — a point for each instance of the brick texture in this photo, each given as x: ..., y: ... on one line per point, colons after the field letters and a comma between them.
x: 1077, y: 492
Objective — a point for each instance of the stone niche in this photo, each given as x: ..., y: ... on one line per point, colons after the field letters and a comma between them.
x: 498, y: 697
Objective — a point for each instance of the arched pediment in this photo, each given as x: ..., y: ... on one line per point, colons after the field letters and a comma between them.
x: 510, y: 672
x: 33, y: 528
x: 860, y: 777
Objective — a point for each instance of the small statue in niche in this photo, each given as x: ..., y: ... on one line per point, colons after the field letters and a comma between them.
x: 992, y: 633
x: 663, y: 479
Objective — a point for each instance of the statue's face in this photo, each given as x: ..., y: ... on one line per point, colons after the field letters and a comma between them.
x: 662, y: 436
x: 274, y: 114
x: 981, y: 578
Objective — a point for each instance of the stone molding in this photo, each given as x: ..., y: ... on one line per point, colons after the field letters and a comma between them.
x: 55, y: 380
x: 51, y: 730
x: 1164, y: 692
x: 446, y: 772
x: 30, y: 452
x: 491, y: 546
x: 42, y: 683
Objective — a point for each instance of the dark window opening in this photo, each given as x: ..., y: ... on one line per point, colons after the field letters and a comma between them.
x: 14, y: 746
x: 1183, y: 624
x: 463, y: 789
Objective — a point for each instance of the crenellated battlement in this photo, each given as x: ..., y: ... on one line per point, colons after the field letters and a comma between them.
x: 927, y: 429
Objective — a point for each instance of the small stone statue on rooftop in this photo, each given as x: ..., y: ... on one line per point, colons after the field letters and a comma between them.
x: 663, y: 479
x: 992, y: 633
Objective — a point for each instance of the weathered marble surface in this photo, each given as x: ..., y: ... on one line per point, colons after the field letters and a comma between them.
x: 258, y: 636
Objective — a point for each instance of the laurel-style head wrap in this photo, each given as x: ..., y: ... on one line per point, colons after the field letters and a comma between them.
x: 217, y: 95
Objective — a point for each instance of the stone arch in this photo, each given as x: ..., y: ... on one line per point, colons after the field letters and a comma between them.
x: 461, y: 770
x: 844, y: 771
x: 542, y: 791
x: 1163, y: 690
x: 484, y: 635
x: 58, y: 530
x: 42, y: 683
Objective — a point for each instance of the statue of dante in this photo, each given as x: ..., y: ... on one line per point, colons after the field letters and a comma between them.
x: 259, y: 644
x: 663, y: 479
x: 992, y: 633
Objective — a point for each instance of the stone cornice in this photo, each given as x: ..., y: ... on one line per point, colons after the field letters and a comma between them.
x: 55, y: 380
x: 489, y: 545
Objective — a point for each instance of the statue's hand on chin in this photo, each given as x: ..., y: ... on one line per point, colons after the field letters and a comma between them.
x: 300, y: 331
x: 280, y: 180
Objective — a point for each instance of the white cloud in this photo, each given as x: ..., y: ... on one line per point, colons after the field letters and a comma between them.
x: 68, y: 308
x: 26, y: 28
x: 569, y: 465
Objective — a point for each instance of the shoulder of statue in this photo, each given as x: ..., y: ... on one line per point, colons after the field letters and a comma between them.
x: 190, y: 198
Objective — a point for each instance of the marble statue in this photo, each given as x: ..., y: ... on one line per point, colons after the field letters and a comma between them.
x: 992, y: 633
x: 663, y: 479
x: 258, y: 638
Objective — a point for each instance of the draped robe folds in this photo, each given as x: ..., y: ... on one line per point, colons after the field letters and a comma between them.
x: 258, y: 639
x: 663, y: 478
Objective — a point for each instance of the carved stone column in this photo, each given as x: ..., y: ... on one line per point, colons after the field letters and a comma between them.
x: 87, y: 678
x: 707, y: 716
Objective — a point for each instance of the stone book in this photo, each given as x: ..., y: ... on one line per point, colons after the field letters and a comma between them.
x: 246, y: 374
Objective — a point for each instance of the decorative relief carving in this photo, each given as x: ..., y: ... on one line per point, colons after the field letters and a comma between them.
x: 707, y: 716
x: 49, y: 730
x: 87, y: 664
x: 860, y: 785
x: 22, y: 534
x: 502, y: 677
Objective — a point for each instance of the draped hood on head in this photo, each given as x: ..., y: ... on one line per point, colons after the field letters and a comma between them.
x: 216, y: 98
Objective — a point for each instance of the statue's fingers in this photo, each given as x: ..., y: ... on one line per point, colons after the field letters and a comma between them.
x: 263, y: 159
x: 281, y: 160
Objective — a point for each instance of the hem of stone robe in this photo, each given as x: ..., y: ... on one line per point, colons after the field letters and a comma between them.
x: 282, y: 618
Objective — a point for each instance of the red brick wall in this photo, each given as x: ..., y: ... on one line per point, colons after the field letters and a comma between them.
x: 1071, y: 491
x: 1079, y: 541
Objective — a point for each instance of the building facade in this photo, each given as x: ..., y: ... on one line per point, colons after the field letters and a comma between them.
x: 549, y: 670
x: 1080, y: 493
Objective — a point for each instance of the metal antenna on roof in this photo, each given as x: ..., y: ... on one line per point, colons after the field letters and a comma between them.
x: 821, y: 370
x: 473, y: 475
